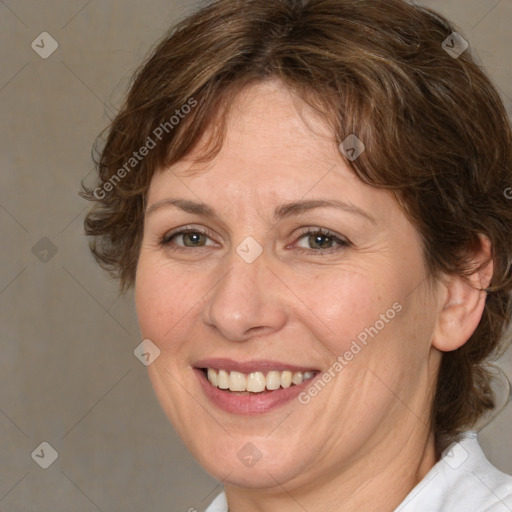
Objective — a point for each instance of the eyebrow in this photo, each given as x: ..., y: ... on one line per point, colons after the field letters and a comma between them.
x: 281, y: 212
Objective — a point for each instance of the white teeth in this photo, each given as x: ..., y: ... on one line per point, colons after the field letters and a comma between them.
x: 273, y: 380
x: 237, y: 381
x: 256, y: 382
x: 286, y: 379
x: 223, y: 380
x: 297, y: 378
x: 212, y: 377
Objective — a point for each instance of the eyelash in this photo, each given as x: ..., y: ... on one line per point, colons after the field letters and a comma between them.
x: 342, y: 243
x: 166, y: 240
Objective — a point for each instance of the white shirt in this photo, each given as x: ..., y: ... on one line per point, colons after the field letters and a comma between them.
x: 462, y: 481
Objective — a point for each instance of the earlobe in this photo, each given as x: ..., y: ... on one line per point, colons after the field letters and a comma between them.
x: 462, y: 301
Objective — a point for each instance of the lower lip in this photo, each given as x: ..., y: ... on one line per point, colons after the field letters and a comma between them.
x: 250, y: 404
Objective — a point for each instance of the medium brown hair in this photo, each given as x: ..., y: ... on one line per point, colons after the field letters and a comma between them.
x: 435, y: 130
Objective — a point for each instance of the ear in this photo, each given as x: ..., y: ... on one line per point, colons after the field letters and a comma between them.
x: 462, y: 301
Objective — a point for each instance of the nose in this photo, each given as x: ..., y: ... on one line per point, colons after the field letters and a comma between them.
x: 246, y: 301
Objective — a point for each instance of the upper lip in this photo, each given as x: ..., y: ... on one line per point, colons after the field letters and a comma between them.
x: 259, y: 365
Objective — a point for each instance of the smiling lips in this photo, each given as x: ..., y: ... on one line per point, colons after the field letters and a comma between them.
x: 256, y: 382
x: 251, y: 387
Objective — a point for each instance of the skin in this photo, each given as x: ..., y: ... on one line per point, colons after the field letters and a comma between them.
x: 366, y: 434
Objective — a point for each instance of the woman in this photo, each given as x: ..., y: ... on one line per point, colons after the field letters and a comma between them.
x: 308, y: 197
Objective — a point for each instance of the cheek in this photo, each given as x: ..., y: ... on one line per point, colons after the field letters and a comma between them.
x: 165, y: 300
x: 369, y: 319
x: 345, y: 303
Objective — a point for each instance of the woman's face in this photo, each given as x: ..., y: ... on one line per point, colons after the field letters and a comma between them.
x: 290, y: 268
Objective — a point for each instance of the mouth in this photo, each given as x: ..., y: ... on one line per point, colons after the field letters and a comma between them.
x: 255, y: 382
x: 253, y: 387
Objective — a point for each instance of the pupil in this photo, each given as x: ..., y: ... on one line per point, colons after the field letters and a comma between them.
x: 194, y: 238
x: 321, y: 241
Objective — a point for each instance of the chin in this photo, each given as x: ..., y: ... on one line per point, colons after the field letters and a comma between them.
x: 254, y: 463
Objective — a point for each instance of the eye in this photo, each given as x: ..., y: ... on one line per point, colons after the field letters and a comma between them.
x: 320, y: 240
x: 187, y: 238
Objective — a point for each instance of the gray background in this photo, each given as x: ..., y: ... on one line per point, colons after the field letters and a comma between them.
x: 68, y: 375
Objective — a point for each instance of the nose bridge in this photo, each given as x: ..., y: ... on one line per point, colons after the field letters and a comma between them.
x: 242, y: 302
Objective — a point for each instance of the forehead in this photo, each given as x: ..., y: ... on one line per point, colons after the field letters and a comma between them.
x: 277, y: 148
